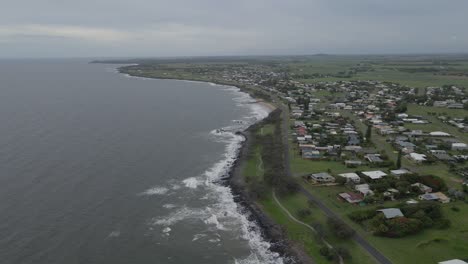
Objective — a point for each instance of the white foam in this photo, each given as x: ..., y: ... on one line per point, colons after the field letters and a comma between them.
x: 198, y: 236
x: 224, y: 213
x: 169, y: 206
x: 191, y: 182
x: 213, y: 220
x: 115, y: 233
x: 156, y: 190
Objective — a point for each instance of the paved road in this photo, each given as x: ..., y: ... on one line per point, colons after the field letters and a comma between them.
x: 359, y: 239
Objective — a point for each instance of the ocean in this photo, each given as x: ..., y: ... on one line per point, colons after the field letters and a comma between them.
x: 99, y: 167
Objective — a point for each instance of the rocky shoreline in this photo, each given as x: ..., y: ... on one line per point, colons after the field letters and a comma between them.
x: 271, y: 231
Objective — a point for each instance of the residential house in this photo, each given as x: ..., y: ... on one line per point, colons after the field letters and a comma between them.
x: 322, y: 177
x: 423, y: 188
x: 351, y: 177
x: 351, y: 197
x: 373, y: 158
x: 353, y: 163
x: 459, y: 146
x: 364, y: 189
x: 374, y: 175
x: 400, y: 172
x: 438, y: 196
x: 390, y: 213
x: 418, y: 158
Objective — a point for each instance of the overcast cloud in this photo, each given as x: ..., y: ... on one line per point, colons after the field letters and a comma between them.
x: 100, y: 28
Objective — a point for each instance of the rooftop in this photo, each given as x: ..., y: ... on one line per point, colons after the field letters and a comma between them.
x: 391, y: 212
x: 374, y: 174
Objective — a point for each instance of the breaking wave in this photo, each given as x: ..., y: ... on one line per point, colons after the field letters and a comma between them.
x: 224, y: 213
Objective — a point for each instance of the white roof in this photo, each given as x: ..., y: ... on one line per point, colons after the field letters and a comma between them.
x: 417, y: 156
x: 350, y: 175
x: 453, y: 261
x: 399, y: 172
x: 391, y: 212
x: 459, y: 144
x: 374, y: 174
x: 439, y: 133
x: 362, y: 187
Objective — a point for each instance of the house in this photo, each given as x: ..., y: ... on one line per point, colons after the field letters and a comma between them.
x: 418, y: 158
x: 311, y: 154
x: 423, y: 188
x: 440, y: 103
x: 455, y: 106
x: 453, y: 261
x: 459, y: 146
x: 438, y: 196
x: 400, y: 172
x: 439, y: 134
x: 373, y: 158
x: 364, y: 189
x: 441, y: 155
x: 322, y: 177
x: 351, y: 197
x: 353, y: 163
x: 353, y: 140
x: 353, y: 148
x: 390, y: 192
x: 351, y: 177
x: 402, y: 115
x: 390, y: 213
x: 374, y: 175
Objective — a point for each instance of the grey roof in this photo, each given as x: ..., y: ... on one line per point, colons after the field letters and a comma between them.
x: 391, y: 212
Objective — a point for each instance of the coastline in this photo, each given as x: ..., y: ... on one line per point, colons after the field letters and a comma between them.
x: 270, y: 230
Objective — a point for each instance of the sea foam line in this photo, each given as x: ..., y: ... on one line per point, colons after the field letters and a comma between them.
x: 226, y: 207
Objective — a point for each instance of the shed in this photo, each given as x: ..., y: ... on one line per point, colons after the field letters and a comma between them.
x: 391, y: 212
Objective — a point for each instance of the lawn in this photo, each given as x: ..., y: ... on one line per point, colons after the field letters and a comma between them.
x: 304, y: 236
x: 267, y: 129
x: 419, y: 248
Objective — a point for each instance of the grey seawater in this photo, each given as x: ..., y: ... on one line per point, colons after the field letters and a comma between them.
x: 99, y: 167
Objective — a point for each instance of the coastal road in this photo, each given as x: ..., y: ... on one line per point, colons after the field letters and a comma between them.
x: 358, y: 238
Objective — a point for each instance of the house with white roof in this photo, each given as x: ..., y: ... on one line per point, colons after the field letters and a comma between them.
x: 416, y: 157
x: 374, y: 175
x: 351, y: 177
x: 364, y: 189
x: 453, y: 261
x: 459, y: 146
x: 390, y: 213
x: 439, y: 134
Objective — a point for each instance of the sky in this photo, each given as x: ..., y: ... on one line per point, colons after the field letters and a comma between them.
x: 156, y: 28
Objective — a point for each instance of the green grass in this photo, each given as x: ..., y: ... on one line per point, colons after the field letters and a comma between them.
x: 383, y: 72
x: 304, y: 236
x: 267, y: 129
x: 419, y: 248
x: 253, y: 167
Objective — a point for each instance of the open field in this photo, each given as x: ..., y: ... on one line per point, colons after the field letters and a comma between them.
x: 416, y: 71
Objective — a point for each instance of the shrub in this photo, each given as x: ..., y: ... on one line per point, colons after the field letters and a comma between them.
x: 339, y: 228
x: 360, y: 216
x: 303, y: 213
x: 442, y: 223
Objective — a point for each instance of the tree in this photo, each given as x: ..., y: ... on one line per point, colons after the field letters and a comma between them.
x: 398, y: 163
x: 369, y: 132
